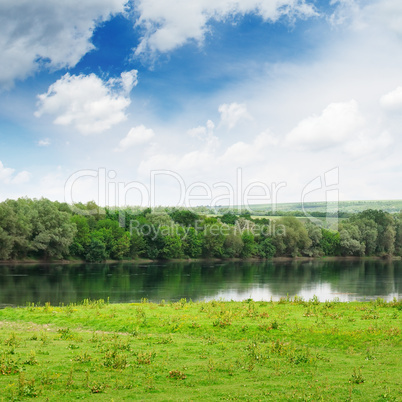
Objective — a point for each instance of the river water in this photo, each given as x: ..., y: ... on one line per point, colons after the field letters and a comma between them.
x: 127, y: 283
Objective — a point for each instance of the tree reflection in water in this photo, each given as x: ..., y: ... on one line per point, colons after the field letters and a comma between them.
x: 348, y: 280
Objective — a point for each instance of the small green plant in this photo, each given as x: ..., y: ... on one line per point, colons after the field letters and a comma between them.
x: 70, y: 380
x: 164, y: 340
x: 32, y: 361
x: 65, y: 333
x: 145, y: 357
x: 357, y: 377
x: 98, y: 388
x: 274, y: 324
x: 255, y: 352
x: 370, y: 315
x: 12, y: 340
x: 26, y: 388
x: 370, y: 355
x: 115, y: 360
x: 83, y: 358
x: 8, y: 365
x: 176, y: 375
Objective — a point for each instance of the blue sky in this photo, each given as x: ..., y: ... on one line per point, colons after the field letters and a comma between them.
x: 280, y: 92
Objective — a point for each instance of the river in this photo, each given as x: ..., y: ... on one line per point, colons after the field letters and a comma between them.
x: 267, y: 280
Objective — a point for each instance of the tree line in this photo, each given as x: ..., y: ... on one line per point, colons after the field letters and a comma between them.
x: 31, y: 228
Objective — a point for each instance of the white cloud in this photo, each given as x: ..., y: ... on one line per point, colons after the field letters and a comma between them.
x: 385, y: 13
x: 48, y: 33
x: 336, y: 124
x: 44, y: 143
x: 169, y: 24
x: 393, y: 100
x: 5, y: 173
x: 232, y: 113
x: 86, y: 102
x: 365, y: 144
x: 21, y: 177
x: 346, y: 11
x: 8, y: 176
x: 243, y: 154
x: 136, y: 136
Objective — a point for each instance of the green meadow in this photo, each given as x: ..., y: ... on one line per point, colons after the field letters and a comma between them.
x: 286, y: 350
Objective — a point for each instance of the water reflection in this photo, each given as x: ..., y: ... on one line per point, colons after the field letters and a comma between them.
x: 352, y: 280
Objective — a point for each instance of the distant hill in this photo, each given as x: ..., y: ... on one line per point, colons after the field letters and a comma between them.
x: 391, y: 206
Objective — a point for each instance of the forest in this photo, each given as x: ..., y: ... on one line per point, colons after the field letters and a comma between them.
x: 46, y: 230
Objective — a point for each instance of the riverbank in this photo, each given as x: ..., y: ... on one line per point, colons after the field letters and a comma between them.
x: 32, y: 261
x: 208, y: 350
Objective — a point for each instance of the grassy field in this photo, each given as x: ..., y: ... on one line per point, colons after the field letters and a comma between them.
x: 286, y: 350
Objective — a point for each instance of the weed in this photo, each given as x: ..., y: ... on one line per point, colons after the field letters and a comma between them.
x: 65, y: 333
x: 370, y: 355
x: 176, y: 375
x: 83, y: 358
x: 145, y: 357
x: 12, y: 340
x: 370, y: 315
x: 44, y: 338
x: 70, y: 380
x: 164, y: 340
x: 301, y: 356
x: 8, y: 365
x: 274, y: 324
x: 255, y: 352
x: 98, y: 388
x: 357, y: 377
x: 27, y: 388
x: 115, y: 360
x: 32, y: 361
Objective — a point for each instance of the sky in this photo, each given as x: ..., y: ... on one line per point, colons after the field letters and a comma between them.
x: 184, y: 103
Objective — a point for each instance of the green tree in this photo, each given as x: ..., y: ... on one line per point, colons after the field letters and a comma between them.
x: 52, y: 230
x: 121, y: 246
x: 15, y: 220
x: 315, y: 235
x: 233, y: 245
x: 266, y: 248
x: 82, y: 237
x: 137, y: 245
x: 249, y: 245
x: 96, y: 251
x: 214, y: 239
x: 350, y: 240
x: 291, y: 237
x: 184, y: 217
x: 172, y: 245
x: 192, y: 243
x: 229, y: 218
x: 330, y: 242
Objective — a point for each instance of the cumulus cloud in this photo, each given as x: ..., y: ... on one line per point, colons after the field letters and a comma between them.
x: 385, y: 13
x: 136, y: 136
x: 243, y: 154
x: 346, y: 11
x: 337, y: 123
x: 8, y: 176
x: 340, y: 125
x: 169, y: 24
x: 47, y: 33
x: 365, y: 144
x: 86, y: 102
x: 392, y: 101
x: 232, y: 113
x: 44, y: 143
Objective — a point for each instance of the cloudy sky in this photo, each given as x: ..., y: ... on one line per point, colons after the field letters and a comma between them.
x: 95, y: 95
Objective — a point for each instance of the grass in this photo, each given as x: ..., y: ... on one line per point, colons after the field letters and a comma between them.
x: 286, y: 350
